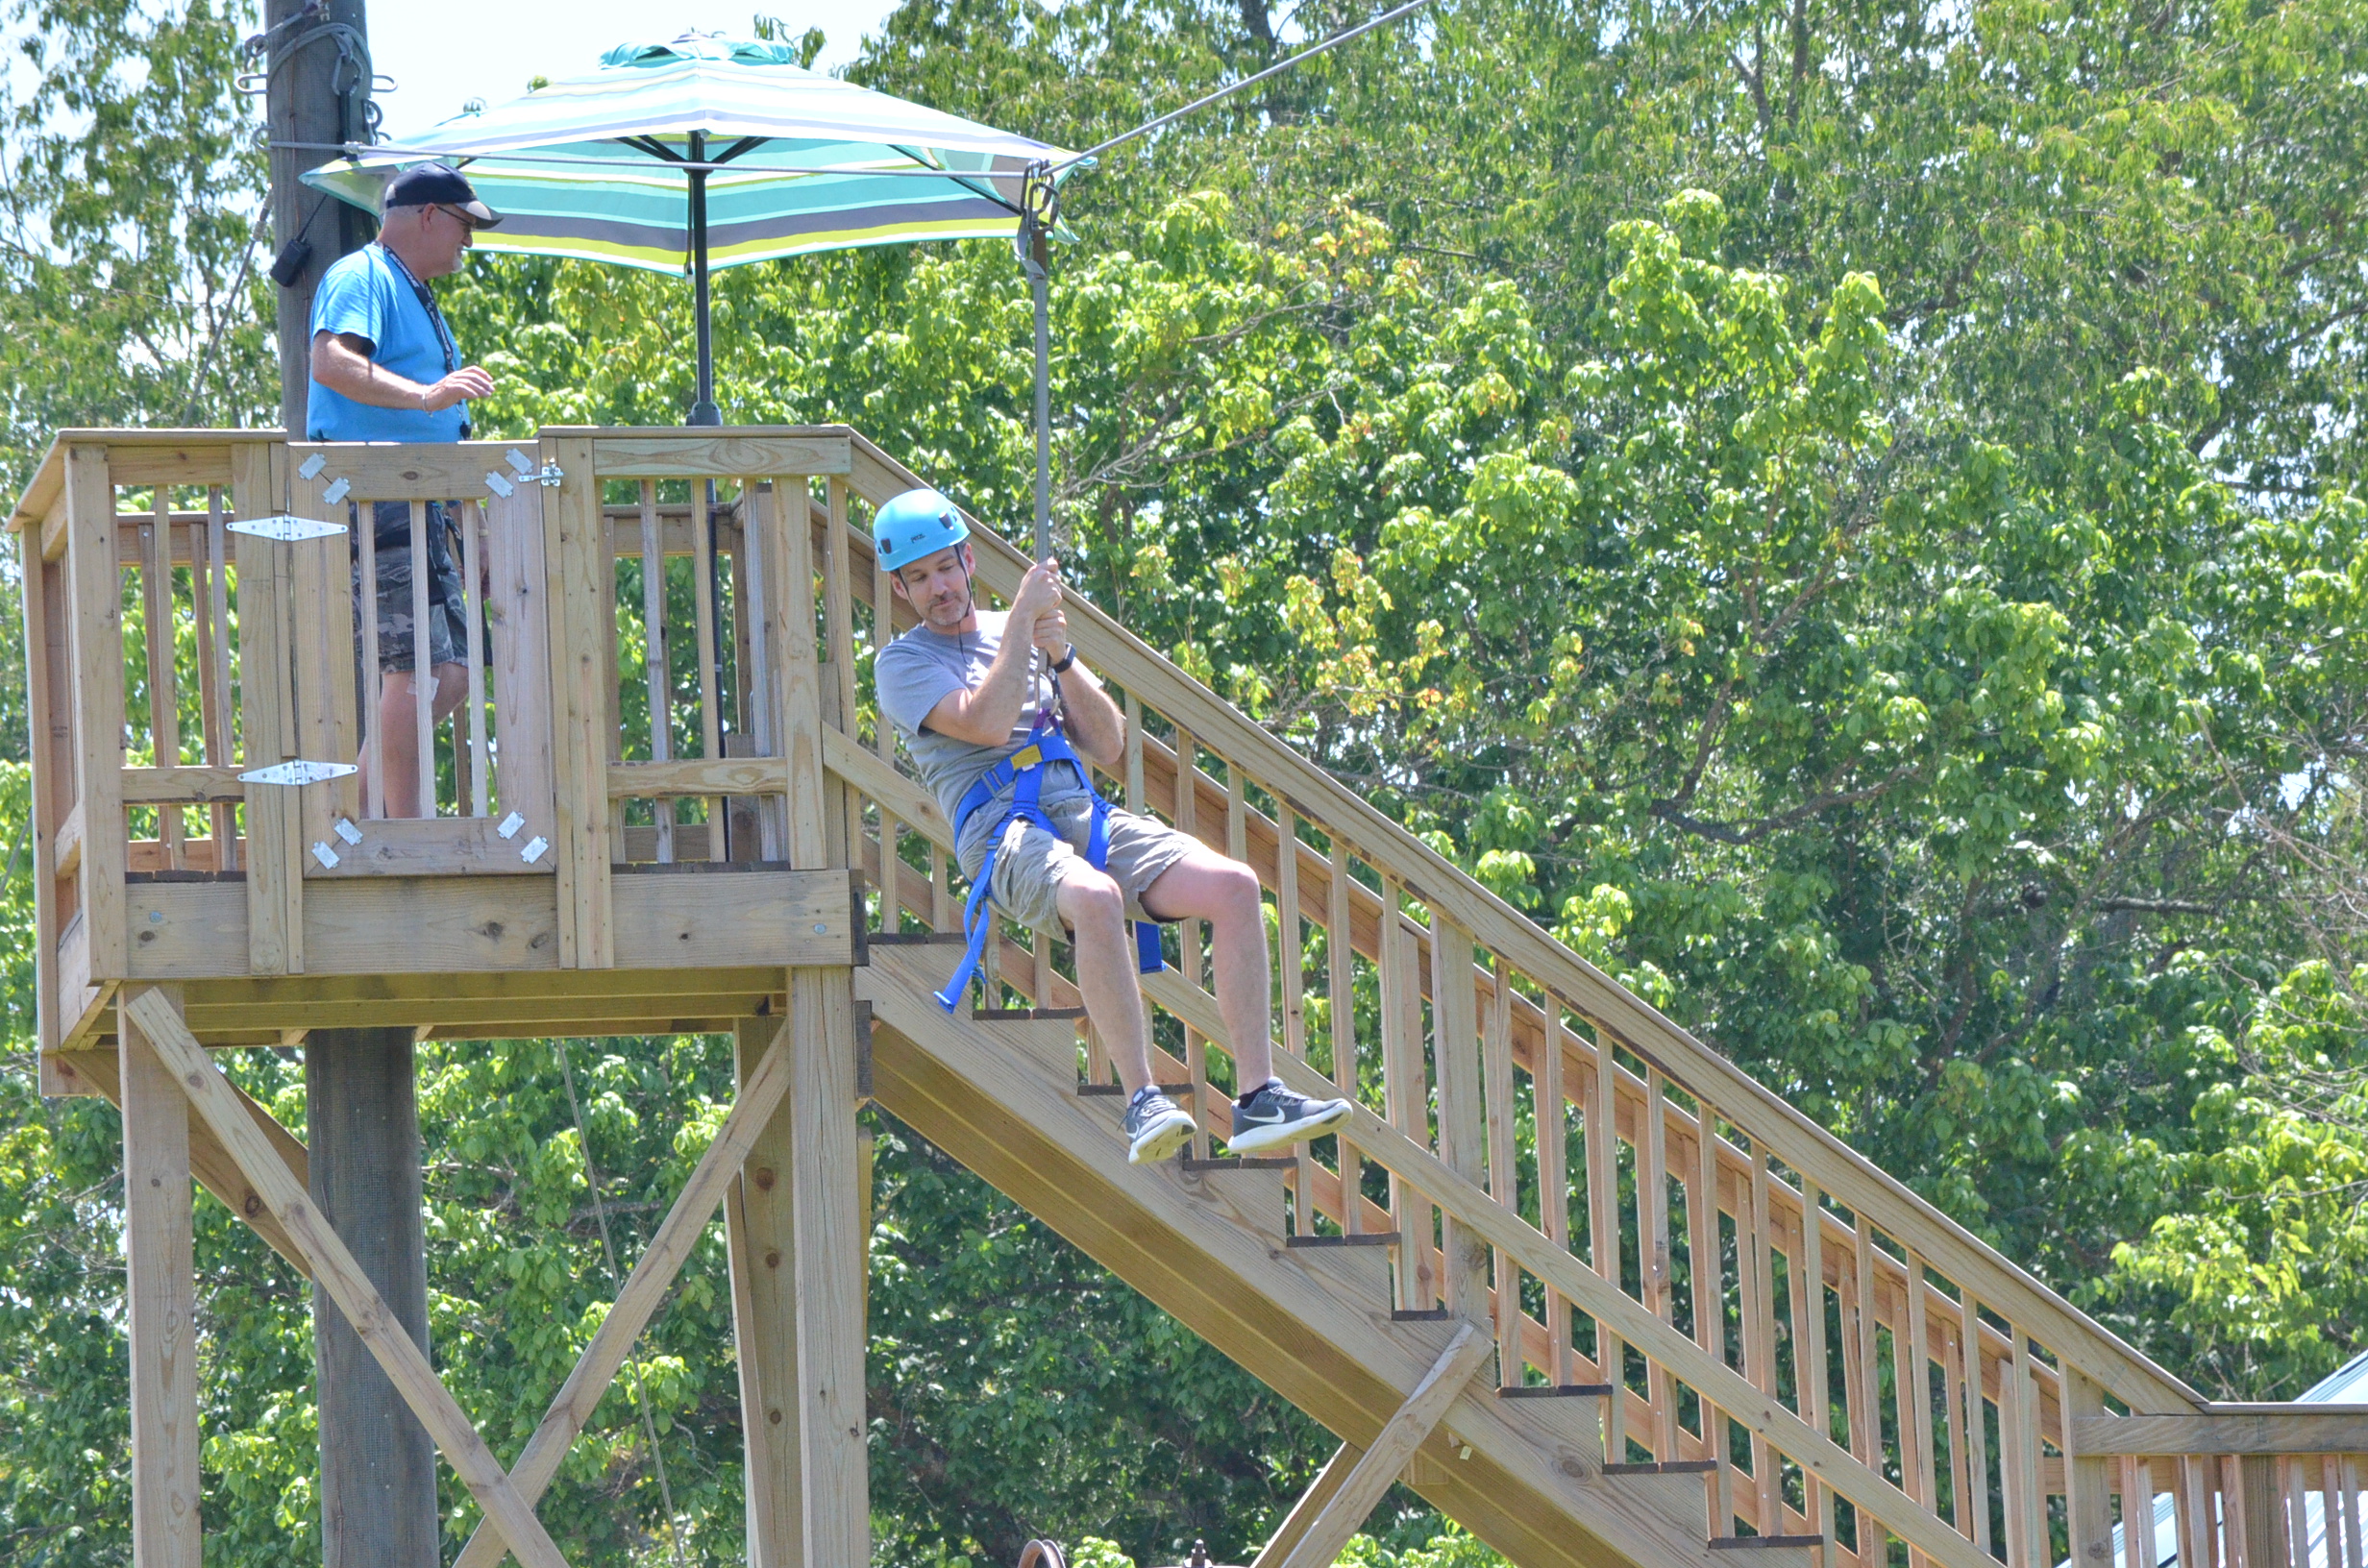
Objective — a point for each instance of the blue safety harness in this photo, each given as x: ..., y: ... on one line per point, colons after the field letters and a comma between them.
x: 1024, y: 769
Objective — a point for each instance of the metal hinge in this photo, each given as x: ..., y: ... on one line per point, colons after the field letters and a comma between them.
x: 549, y: 476
x: 296, y: 773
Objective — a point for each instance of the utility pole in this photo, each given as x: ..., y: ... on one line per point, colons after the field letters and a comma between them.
x: 362, y: 1109
x: 316, y: 53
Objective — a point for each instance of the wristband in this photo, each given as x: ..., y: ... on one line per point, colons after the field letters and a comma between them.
x: 1061, y: 668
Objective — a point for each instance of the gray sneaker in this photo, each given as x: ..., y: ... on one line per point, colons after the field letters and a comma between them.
x: 1275, y: 1117
x: 1156, y: 1127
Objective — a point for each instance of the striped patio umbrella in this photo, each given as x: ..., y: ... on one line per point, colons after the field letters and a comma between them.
x: 707, y: 152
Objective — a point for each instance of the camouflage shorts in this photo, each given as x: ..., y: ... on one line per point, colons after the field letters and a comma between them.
x: 448, y: 626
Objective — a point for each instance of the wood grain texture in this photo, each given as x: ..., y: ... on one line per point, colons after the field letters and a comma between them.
x: 2324, y: 1428
x: 160, y: 1298
x: 267, y: 720
x: 830, y: 1249
x: 334, y: 1269
x: 761, y: 1236
x: 1377, y: 1469
x: 1320, y: 1492
x: 95, y: 591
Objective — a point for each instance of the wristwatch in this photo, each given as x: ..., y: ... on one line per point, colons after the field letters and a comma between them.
x: 1061, y: 665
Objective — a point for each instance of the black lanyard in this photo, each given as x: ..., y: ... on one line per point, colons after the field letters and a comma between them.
x: 435, y: 318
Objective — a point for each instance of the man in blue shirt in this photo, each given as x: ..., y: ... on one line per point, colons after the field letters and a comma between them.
x: 386, y: 368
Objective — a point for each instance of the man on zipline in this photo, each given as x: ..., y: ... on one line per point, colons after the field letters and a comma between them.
x: 964, y: 689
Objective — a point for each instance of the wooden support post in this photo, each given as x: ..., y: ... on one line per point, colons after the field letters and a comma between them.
x: 267, y: 728
x: 762, y: 1242
x: 583, y: 662
x: 1340, y: 997
x: 799, y: 676
x: 2089, y: 1511
x: 1604, y: 1247
x: 831, y: 1256
x: 160, y: 1287
x: 95, y: 592
x: 378, y: 1465
x: 1554, y: 1180
x: 1653, y: 1254
x: 1380, y: 1464
x: 333, y: 1267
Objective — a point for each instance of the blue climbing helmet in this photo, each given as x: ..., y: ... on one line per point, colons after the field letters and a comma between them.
x: 915, y: 526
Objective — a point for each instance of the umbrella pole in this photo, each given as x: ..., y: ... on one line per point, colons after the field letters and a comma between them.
x: 704, y: 410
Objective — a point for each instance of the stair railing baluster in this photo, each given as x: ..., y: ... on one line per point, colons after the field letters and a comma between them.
x: 1912, y: 1352
x: 653, y: 662
x: 1603, y: 1238
x: 1752, y: 1266
x: 1504, y: 1179
x: 1462, y: 1136
x: 1653, y: 1252
x: 1341, y: 959
x: 1553, y: 1180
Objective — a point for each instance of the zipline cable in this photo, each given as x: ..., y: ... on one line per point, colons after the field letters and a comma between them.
x: 1276, y: 69
x: 600, y: 1212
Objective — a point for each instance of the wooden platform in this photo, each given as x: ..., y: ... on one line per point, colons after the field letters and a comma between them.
x: 663, y: 807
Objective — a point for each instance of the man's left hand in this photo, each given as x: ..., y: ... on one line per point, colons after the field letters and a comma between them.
x: 1053, y: 631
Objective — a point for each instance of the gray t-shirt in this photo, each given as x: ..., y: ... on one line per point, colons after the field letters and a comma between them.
x: 916, y: 672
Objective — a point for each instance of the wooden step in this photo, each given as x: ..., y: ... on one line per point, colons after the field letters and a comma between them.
x: 1116, y: 1091
x: 1017, y: 1015
x: 916, y: 939
x: 1246, y: 1162
x: 1752, y: 1543
x: 1308, y: 1314
x: 1421, y: 1315
x: 1559, y: 1390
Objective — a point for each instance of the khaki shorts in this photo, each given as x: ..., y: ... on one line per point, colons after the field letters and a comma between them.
x: 1032, y: 863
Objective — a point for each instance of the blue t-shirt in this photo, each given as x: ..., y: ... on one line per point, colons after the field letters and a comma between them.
x: 368, y: 294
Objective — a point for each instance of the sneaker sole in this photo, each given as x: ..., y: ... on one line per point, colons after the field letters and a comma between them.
x: 1160, y: 1143
x: 1259, y: 1140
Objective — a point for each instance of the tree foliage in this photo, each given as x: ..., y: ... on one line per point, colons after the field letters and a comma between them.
x: 1847, y: 515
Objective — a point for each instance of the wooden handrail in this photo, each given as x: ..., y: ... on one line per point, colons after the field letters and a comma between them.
x: 1802, y: 1145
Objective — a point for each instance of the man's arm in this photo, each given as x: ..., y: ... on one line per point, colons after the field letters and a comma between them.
x: 1096, y: 727
x: 341, y: 362
x: 985, y: 714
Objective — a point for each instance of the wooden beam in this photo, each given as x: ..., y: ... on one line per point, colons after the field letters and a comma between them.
x: 267, y: 728
x: 1320, y: 1492
x: 1377, y: 1468
x: 97, y: 1072
x: 638, y: 1301
x: 334, y: 1269
x: 831, y: 1256
x: 2287, y: 1429
x: 95, y: 596
x: 160, y: 1286
x: 761, y: 1238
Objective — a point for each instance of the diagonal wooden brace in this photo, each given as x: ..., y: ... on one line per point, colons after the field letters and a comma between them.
x: 1344, y: 1514
x: 602, y: 1360
x: 333, y: 1268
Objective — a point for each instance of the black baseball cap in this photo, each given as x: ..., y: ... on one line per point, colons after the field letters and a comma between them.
x: 426, y: 185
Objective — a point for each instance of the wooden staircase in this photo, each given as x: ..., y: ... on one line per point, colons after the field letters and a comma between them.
x: 1716, y: 1328
x: 1209, y: 1241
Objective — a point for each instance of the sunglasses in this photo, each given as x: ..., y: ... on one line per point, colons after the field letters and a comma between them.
x: 465, y: 220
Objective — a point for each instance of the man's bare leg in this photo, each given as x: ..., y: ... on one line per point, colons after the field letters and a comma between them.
x: 1207, y: 886
x: 1095, y: 913
x: 398, y: 722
